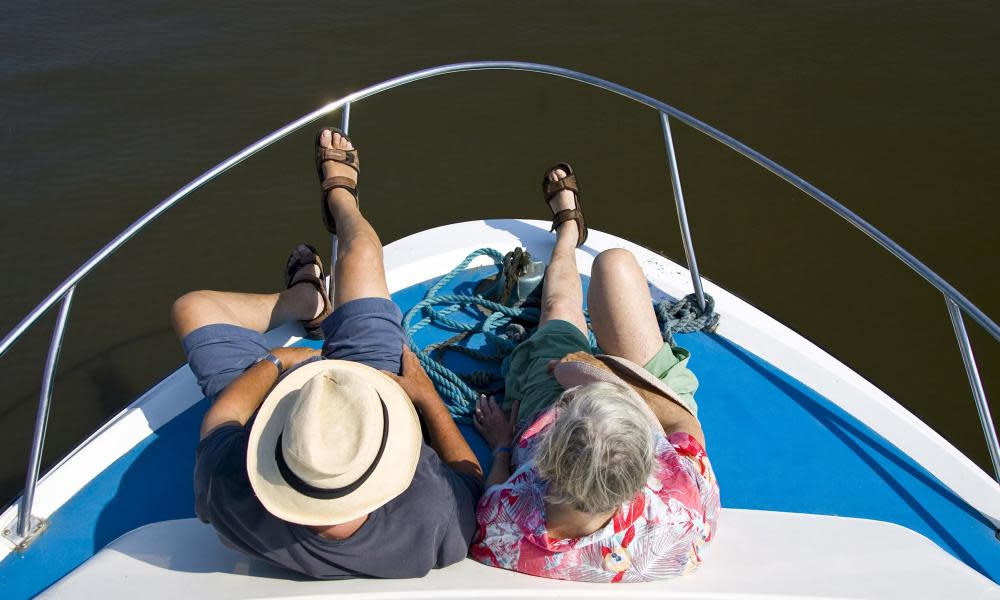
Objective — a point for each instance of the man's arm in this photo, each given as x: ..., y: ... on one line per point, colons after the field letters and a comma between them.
x: 237, y: 403
x: 445, y: 438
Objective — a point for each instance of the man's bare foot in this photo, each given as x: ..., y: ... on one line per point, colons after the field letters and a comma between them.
x: 337, y: 198
x: 564, y: 200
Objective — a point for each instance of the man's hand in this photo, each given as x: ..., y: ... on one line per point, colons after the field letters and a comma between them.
x: 293, y: 355
x: 237, y: 403
x: 443, y: 434
x: 491, y: 423
x: 414, y: 379
x: 586, y: 357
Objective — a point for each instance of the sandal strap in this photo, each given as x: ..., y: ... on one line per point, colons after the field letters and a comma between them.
x: 293, y: 266
x: 572, y: 214
x: 332, y: 183
x: 311, y: 280
x: 347, y: 183
x: 569, y: 214
x: 292, y: 269
x: 566, y: 183
x: 569, y: 184
x: 312, y: 326
x: 346, y: 157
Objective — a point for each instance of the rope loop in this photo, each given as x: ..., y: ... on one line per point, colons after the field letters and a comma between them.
x: 685, y: 316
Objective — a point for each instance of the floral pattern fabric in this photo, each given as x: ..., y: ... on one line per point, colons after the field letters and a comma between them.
x: 663, y: 532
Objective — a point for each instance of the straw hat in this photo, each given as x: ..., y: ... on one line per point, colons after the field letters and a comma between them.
x: 333, y: 441
x: 573, y: 373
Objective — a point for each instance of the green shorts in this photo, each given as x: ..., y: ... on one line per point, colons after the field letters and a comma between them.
x: 528, y: 378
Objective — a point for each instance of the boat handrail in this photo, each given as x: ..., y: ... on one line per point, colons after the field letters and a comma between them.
x: 956, y: 303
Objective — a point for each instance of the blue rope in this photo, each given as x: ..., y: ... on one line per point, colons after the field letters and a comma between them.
x: 683, y: 316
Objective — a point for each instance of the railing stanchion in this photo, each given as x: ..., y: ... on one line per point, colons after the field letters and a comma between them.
x: 675, y: 180
x: 345, y: 118
x: 42, y: 418
x: 345, y: 125
x: 976, y: 384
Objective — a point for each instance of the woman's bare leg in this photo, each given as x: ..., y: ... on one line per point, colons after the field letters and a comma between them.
x: 621, y: 309
x: 562, y: 293
x: 621, y: 313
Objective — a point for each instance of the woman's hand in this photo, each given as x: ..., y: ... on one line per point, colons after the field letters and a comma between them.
x: 414, y: 379
x: 491, y: 422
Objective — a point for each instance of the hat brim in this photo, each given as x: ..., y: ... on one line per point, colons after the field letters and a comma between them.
x: 573, y: 373
x: 391, y: 476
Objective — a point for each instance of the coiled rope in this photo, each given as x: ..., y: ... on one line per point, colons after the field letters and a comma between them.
x: 504, y: 326
x: 685, y: 316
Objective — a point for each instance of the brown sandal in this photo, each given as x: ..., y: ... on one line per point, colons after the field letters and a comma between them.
x: 345, y: 157
x: 551, y: 188
x: 292, y: 268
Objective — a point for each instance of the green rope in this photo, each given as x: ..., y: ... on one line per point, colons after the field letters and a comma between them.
x: 504, y: 327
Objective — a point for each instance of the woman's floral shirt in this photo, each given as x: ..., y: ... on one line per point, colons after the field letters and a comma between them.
x: 663, y: 532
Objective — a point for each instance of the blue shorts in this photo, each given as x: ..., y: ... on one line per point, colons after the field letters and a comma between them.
x: 366, y: 330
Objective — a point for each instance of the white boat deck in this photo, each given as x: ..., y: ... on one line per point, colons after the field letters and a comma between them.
x: 757, y: 554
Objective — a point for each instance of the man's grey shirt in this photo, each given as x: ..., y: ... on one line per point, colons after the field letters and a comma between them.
x: 430, y: 525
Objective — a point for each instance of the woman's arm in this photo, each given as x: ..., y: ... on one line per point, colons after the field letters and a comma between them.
x: 500, y: 471
x: 498, y: 431
x: 672, y: 416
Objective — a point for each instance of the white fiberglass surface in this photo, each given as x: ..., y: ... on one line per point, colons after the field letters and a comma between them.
x: 757, y: 554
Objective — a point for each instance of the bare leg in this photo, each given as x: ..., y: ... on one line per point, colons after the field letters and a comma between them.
x: 360, y: 272
x: 562, y: 293
x: 621, y: 308
x: 621, y: 313
x: 260, y: 312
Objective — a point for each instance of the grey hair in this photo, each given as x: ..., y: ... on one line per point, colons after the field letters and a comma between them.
x: 599, y: 451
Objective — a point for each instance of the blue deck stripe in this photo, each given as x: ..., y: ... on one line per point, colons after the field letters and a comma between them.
x: 787, y: 448
x: 124, y: 496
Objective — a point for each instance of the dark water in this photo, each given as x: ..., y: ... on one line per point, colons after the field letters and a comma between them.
x: 888, y: 106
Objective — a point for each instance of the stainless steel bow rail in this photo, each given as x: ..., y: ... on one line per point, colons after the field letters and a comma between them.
x: 28, y: 526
